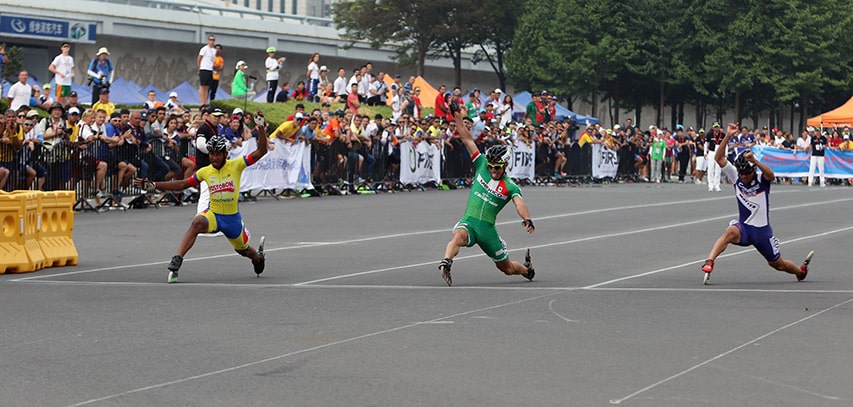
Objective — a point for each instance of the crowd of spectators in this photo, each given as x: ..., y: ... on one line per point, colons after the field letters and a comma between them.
x: 109, y: 147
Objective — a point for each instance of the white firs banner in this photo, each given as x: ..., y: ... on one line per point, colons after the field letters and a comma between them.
x: 522, y: 165
x: 419, y: 163
x: 605, y: 162
x: 287, y: 166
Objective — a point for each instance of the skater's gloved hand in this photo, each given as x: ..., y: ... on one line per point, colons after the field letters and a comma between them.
x: 528, y: 224
x: 144, y: 183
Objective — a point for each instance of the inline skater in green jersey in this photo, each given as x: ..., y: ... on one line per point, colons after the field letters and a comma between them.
x: 491, y: 190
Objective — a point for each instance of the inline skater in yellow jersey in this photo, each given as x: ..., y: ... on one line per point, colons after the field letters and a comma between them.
x: 491, y: 190
x: 223, y: 180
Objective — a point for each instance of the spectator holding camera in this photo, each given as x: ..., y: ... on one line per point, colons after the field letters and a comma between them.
x: 101, y: 73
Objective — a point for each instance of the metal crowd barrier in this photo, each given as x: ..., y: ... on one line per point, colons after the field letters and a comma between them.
x: 101, y: 174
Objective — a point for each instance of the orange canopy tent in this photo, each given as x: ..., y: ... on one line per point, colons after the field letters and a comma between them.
x: 428, y: 93
x: 838, y: 117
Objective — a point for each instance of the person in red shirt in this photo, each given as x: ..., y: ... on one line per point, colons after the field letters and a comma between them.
x: 441, y: 107
x: 835, y: 140
x: 353, y: 103
x: 552, y: 108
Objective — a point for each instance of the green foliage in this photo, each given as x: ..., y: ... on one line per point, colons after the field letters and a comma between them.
x: 424, y: 29
x: 749, y: 55
x: 13, y: 65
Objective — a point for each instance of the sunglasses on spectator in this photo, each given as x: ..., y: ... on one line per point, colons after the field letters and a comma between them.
x: 21, y: 116
x: 29, y: 124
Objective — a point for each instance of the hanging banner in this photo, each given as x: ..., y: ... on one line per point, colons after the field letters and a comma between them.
x: 522, y: 165
x: 419, y: 163
x: 605, y: 162
x: 287, y: 166
x: 787, y: 163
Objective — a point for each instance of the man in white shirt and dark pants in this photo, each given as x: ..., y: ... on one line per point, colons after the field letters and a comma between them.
x: 272, y: 66
x: 206, y: 57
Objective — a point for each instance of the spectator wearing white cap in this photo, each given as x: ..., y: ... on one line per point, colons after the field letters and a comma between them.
x: 101, y: 73
x: 45, y: 100
x: 272, y: 66
x: 312, y: 77
x: 174, y: 103
x: 239, y: 86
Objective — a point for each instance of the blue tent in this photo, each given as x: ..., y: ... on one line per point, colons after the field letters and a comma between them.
x: 84, y: 93
x: 522, y: 99
x: 562, y: 112
x: 159, y: 93
x: 187, y: 94
x: 222, y: 94
x: 124, y: 92
x: 261, y: 97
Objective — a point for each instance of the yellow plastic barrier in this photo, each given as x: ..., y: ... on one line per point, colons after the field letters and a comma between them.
x: 57, y: 223
x: 19, y: 248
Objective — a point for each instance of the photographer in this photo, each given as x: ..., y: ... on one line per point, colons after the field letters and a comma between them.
x: 56, y: 149
x: 101, y: 73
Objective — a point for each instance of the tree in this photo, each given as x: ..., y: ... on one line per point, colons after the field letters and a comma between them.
x: 13, y: 65
x: 528, y: 64
x: 496, y: 34
x: 459, y: 29
x: 812, y: 40
x: 410, y: 27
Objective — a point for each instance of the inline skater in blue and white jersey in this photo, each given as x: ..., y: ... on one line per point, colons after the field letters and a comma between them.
x: 752, y: 191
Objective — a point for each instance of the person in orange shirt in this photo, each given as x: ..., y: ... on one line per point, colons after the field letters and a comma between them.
x: 218, y: 65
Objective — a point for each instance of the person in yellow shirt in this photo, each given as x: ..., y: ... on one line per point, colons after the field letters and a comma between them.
x: 587, y: 137
x: 287, y: 130
x: 223, y: 215
x: 846, y: 145
x: 11, y: 140
x: 104, y: 102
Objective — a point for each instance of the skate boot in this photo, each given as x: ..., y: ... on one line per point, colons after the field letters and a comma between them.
x: 708, y: 267
x: 444, y: 266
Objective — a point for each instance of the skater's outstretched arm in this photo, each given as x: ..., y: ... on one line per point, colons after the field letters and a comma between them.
x: 720, y: 154
x: 464, y: 133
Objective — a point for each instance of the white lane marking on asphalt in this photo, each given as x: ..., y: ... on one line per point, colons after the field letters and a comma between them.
x: 726, y: 353
x: 648, y: 273
x: 40, y: 277
x: 579, y: 240
x: 551, y: 307
x: 775, y: 383
x: 306, y: 350
x: 304, y: 245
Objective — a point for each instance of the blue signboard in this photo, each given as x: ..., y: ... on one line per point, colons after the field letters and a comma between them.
x: 63, y: 30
